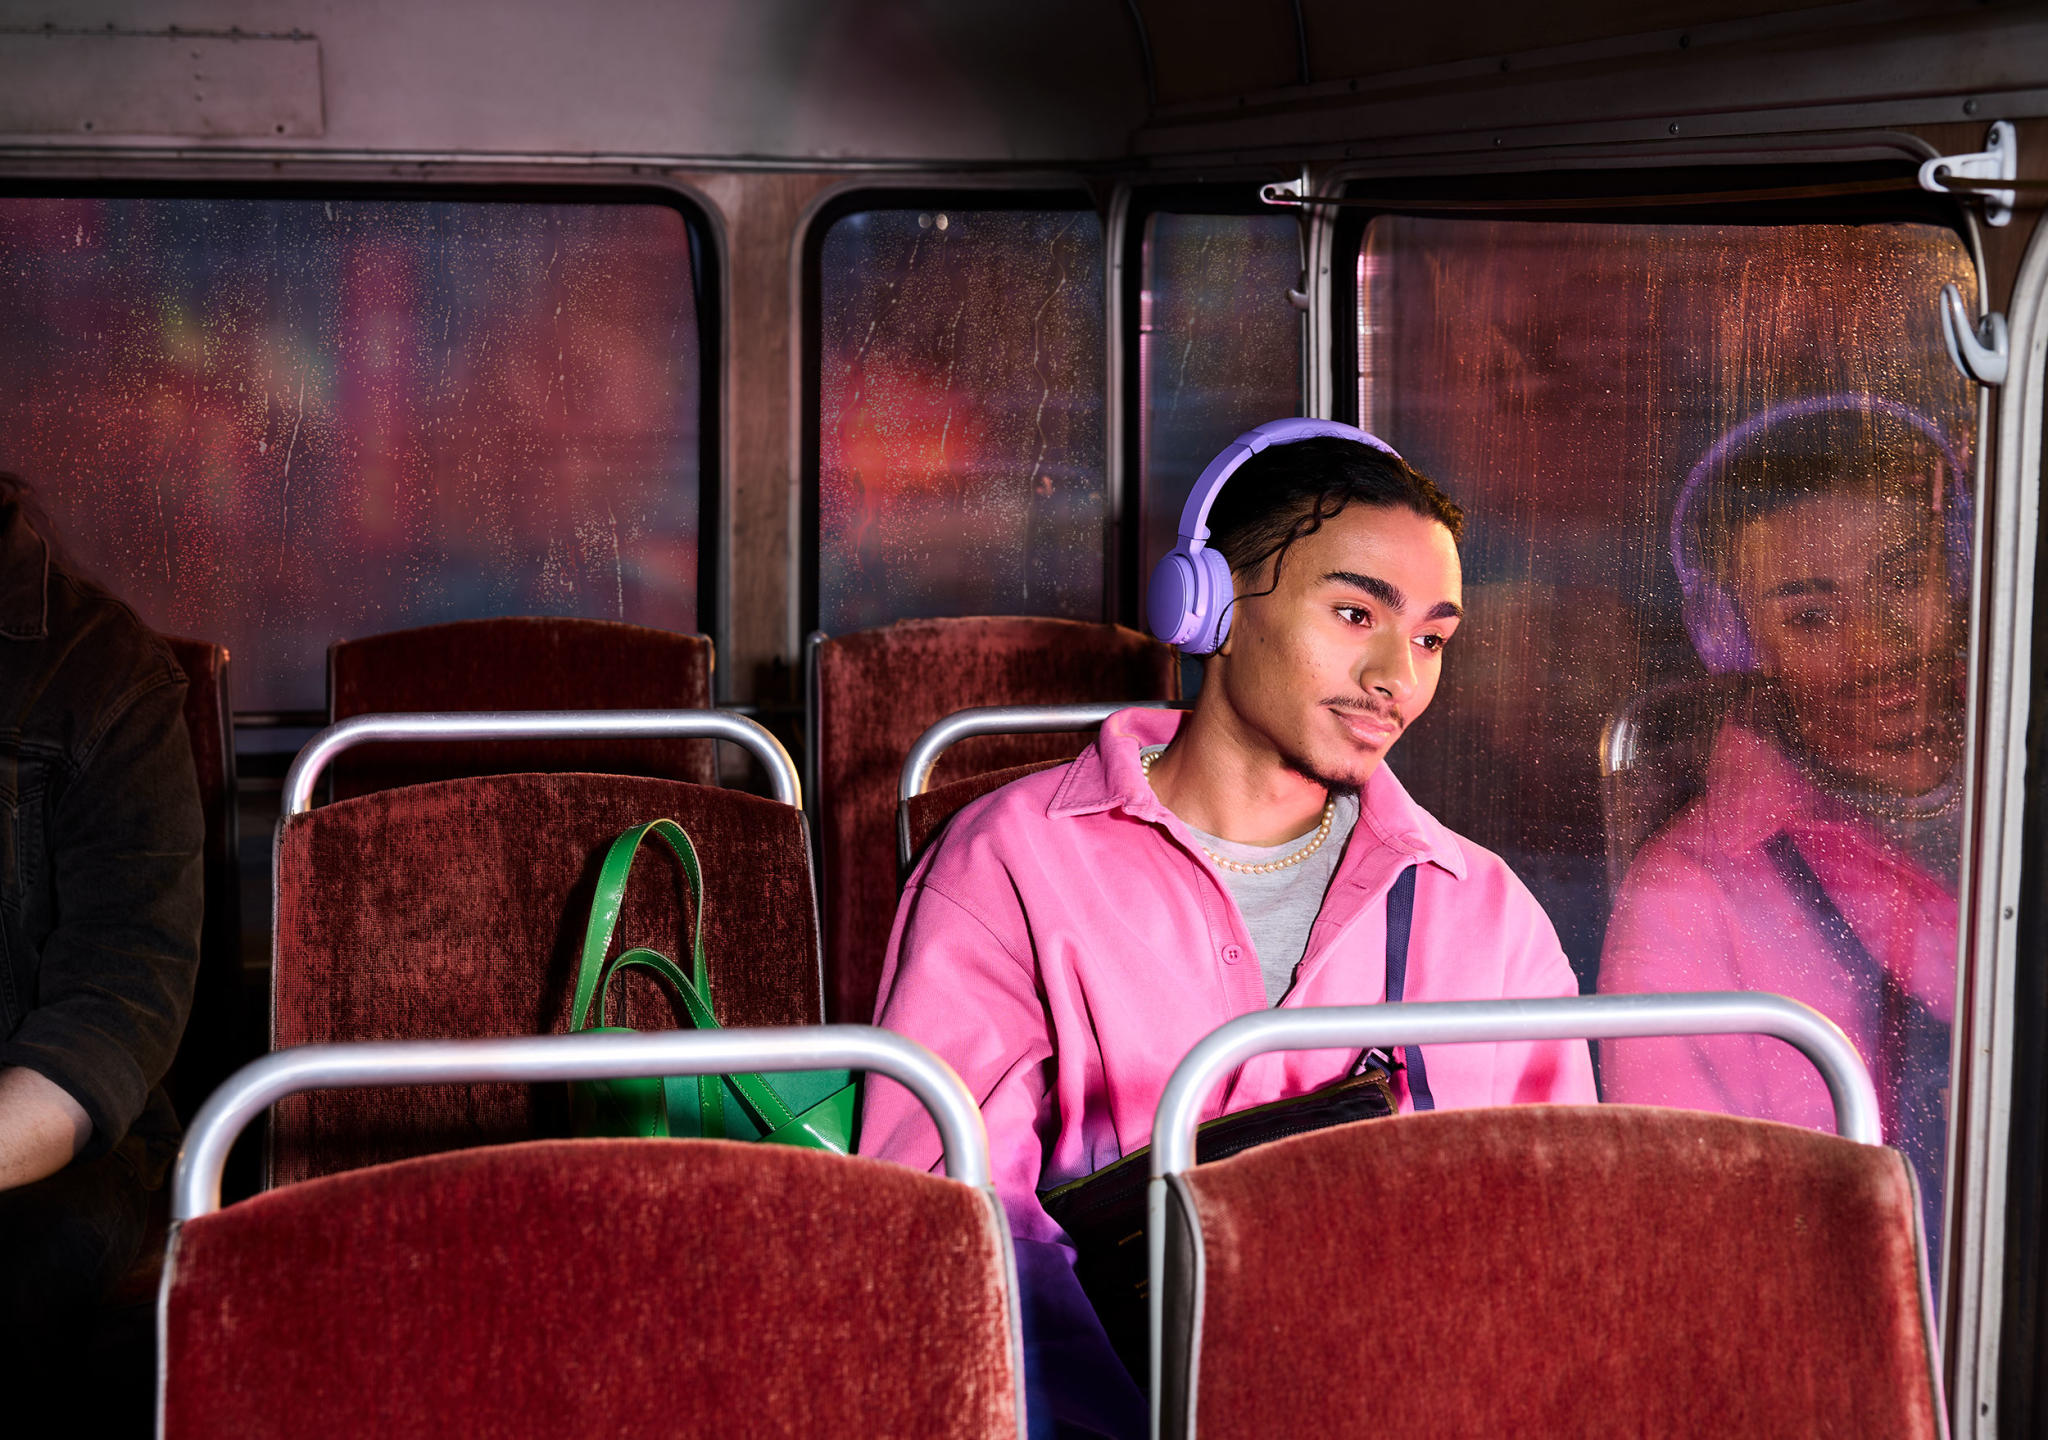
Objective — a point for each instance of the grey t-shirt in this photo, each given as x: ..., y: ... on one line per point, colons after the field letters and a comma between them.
x: 1280, y: 907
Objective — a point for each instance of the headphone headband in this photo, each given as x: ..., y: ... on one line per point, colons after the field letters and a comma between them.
x: 1194, y: 516
x: 1188, y: 601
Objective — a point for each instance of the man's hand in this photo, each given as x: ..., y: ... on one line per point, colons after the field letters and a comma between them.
x: 41, y: 1127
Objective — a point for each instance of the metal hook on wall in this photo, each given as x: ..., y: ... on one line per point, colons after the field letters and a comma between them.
x: 1980, y: 350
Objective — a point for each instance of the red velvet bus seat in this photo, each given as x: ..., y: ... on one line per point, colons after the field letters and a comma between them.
x: 1559, y: 1271
x: 520, y: 663
x: 878, y: 690
x: 457, y: 909
x: 577, y: 1289
x: 925, y: 815
x: 218, y: 1038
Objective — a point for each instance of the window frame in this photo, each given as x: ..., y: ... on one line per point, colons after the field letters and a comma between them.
x: 856, y: 199
x: 1141, y: 203
x: 708, y: 293
x: 1518, y: 196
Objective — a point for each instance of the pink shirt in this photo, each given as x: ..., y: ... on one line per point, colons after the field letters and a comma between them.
x: 1068, y: 942
x: 1703, y: 908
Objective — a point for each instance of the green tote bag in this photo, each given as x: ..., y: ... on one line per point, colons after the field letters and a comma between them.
x: 809, y: 1108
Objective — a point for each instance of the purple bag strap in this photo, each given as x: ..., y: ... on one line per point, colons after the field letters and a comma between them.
x: 1400, y: 922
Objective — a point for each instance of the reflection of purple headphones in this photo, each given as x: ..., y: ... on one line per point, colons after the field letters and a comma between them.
x: 1188, y: 601
x: 1711, y: 617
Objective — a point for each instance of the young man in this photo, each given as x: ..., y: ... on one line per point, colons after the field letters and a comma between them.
x: 1824, y: 548
x: 1074, y: 934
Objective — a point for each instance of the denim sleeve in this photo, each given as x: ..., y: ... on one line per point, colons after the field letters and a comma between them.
x: 114, y: 980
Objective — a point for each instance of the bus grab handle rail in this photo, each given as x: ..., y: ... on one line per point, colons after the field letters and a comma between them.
x: 195, y: 1185
x: 357, y: 730
x: 923, y: 758
x: 1449, y: 1022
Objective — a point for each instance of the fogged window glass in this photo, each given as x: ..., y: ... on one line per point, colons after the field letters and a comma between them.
x: 1219, y: 349
x: 1709, y: 702
x: 960, y: 417
x: 275, y: 423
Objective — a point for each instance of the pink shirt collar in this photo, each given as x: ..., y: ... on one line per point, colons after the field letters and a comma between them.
x: 1109, y: 775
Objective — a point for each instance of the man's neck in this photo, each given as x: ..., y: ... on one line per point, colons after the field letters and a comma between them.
x: 1227, y: 780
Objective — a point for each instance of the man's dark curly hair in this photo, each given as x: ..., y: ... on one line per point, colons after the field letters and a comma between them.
x: 1285, y: 493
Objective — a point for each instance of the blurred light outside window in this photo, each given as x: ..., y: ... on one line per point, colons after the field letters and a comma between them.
x: 1791, y: 823
x: 275, y: 423
x: 1219, y: 349
x: 961, y: 460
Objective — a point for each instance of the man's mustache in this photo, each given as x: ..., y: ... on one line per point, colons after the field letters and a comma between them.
x: 1383, y: 711
x: 1918, y: 670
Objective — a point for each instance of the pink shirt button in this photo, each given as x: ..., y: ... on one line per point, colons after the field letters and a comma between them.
x: 1233, y: 953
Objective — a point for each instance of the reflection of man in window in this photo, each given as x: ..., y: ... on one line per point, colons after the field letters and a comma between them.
x: 1823, y: 547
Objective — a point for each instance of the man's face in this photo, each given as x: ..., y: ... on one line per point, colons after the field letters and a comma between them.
x: 1331, y: 667
x: 1846, y: 596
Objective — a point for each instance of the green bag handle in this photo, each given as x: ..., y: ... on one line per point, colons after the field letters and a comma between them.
x: 593, y: 976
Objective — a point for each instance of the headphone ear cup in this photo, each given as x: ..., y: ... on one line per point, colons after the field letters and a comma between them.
x: 1171, y: 598
x: 1718, y: 634
x: 1213, y: 607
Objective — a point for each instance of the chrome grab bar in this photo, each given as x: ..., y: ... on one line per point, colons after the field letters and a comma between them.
x: 320, y: 751
x: 923, y: 758
x: 1007, y: 720
x: 195, y: 1185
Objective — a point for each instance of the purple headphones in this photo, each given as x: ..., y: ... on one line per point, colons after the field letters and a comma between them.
x: 1711, y: 616
x: 1188, y: 601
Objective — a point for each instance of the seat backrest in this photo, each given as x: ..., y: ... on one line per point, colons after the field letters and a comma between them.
x: 1553, y: 1270
x: 457, y: 909
x: 876, y: 691
x: 218, y: 1036
x: 520, y: 663
x: 595, y: 1288
x: 926, y: 814
x: 1653, y: 760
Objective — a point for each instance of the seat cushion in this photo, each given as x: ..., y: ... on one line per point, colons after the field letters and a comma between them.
x: 1563, y: 1271
x: 925, y: 815
x: 519, y: 662
x: 879, y: 690
x: 596, y: 1288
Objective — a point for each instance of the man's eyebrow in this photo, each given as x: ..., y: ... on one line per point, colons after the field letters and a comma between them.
x: 1388, y: 595
x: 1812, y: 585
x: 1391, y: 596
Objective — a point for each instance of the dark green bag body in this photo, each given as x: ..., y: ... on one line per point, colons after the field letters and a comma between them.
x: 809, y: 1108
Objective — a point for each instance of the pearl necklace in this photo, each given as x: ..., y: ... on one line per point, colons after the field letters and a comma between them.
x: 1315, y: 841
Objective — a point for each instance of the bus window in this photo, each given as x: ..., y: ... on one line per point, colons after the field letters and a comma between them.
x: 1709, y: 701
x: 1219, y: 349
x: 278, y: 422
x: 960, y: 415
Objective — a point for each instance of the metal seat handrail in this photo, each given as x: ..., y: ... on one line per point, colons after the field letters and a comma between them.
x: 1578, y: 1017
x: 321, y: 750
x: 1582, y: 1017
x: 195, y: 1185
x: 923, y: 758
x: 924, y: 755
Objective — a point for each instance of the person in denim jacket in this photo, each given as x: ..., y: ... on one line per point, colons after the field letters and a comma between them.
x: 100, y: 899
